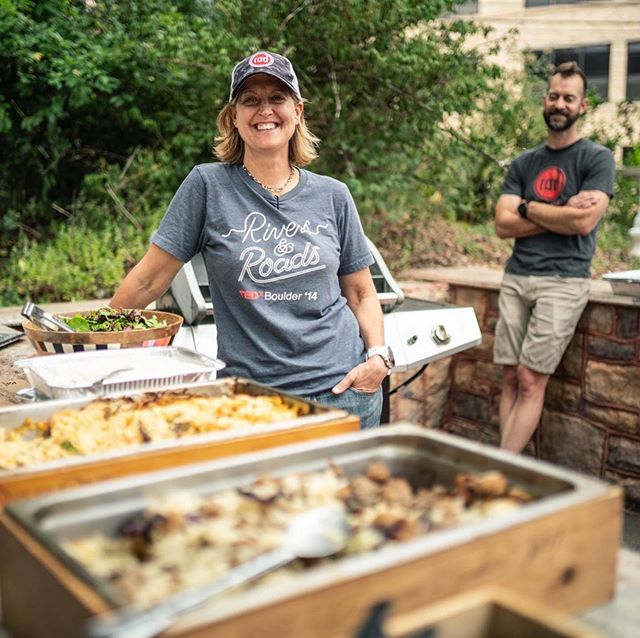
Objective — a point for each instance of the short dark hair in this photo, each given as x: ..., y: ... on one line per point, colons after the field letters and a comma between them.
x: 567, y: 69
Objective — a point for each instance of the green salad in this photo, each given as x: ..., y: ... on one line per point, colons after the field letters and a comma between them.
x: 112, y: 320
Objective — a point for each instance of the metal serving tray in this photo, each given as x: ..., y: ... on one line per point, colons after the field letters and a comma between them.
x: 504, y: 544
x: 71, y: 375
x: 34, y: 479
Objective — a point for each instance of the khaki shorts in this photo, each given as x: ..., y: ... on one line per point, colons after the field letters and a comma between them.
x: 538, y: 316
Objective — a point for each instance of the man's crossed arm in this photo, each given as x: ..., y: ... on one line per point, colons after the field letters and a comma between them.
x: 579, y: 216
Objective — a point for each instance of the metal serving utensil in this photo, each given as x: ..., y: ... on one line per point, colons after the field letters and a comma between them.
x: 316, y: 533
x: 43, y: 319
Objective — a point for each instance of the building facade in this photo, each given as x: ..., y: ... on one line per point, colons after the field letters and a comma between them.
x: 602, y: 36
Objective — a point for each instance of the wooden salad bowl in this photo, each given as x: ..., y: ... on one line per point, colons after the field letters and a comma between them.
x: 57, y: 342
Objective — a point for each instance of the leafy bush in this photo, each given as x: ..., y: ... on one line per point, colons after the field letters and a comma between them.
x: 77, y: 263
x: 105, y: 106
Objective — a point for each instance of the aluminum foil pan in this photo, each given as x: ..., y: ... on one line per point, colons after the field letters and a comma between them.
x: 79, y: 374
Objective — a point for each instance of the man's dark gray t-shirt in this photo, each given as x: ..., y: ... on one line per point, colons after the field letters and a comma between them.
x: 273, y: 265
x: 554, y: 176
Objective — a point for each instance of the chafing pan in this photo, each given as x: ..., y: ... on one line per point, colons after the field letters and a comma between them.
x: 31, y: 480
x: 423, y: 457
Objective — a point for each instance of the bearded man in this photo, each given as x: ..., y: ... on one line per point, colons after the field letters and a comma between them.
x: 552, y: 201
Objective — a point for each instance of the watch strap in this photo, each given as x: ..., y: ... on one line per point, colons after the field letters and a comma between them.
x: 382, y: 351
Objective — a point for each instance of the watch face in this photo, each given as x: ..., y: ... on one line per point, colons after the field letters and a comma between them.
x: 522, y: 209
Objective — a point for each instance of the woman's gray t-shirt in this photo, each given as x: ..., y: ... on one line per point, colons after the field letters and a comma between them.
x: 273, y: 266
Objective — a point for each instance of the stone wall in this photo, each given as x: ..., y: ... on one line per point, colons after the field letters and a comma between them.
x: 591, y: 416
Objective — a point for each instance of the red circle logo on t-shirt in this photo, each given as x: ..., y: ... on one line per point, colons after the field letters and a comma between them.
x: 550, y: 183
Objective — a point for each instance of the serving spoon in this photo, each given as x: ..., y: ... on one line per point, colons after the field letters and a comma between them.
x: 316, y: 533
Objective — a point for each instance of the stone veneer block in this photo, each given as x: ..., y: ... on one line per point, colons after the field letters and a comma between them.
x: 407, y: 409
x: 495, y: 409
x: 613, y: 419
x: 470, y: 406
x: 571, y: 441
x: 562, y: 395
x: 463, y: 372
x: 629, y: 484
x: 437, y: 376
x: 494, y: 298
x: 472, y: 297
x: 489, y: 372
x: 624, y: 454
x: 613, y: 384
x: 490, y: 323
x: 438, y: 384
x: 484, y: 350
x: 399, y: 377
x: 473, y: 432
x: 571, y: 362
x: 583, y: 322
x: 601, y: 319
x: 627, y: 323
x: 608, y: 349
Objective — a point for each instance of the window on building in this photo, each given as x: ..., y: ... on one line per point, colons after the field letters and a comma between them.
x: 593, y: 60
x: 633, y: 71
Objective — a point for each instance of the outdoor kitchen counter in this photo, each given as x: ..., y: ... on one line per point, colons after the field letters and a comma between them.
x: 592, y: 399
x: 12, y: 379
x: 490, y: 278
x: 619, y: 618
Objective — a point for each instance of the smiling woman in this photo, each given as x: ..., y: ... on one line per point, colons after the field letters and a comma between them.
x: 286, y: 257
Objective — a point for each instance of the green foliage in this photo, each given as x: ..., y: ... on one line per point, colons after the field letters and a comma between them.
x: 85, y: 83
x: 626, y: 198
x: 106, y: 104
x: 468, y: 158
x: 77, y: 263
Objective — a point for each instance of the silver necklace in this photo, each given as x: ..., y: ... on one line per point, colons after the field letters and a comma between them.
x: 274, y: 190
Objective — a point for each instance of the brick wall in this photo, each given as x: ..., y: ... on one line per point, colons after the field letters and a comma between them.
x: 591, y: 416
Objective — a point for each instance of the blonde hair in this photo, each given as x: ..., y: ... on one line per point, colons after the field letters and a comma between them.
x: 229, y: 147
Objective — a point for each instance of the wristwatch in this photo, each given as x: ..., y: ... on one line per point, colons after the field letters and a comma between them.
x: 523, y: 208
x: 386, y: 353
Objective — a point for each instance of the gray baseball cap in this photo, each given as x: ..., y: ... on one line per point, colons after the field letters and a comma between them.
x: 272, y: 64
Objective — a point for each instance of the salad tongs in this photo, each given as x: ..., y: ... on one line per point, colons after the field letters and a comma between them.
x: 43, y: 319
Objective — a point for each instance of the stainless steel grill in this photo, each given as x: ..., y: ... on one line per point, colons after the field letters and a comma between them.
x: 418, y: 331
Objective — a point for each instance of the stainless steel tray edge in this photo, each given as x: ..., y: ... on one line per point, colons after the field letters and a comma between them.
x: 582, y: 486
x: 30, y: 512
x: 11, y: 416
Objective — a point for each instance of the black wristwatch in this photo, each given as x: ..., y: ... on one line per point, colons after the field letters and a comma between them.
x: 523, y: 208
x: 387, y: 356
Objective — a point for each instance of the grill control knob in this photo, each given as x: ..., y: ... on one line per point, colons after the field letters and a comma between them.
x: 440, y: 334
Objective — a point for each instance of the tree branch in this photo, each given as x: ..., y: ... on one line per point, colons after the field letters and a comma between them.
x: 121, y: 207
x: 283, y: 25
x: 335, y: 89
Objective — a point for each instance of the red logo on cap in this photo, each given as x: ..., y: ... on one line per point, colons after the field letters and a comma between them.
x: 550, y: 183
x: 261, y: 59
